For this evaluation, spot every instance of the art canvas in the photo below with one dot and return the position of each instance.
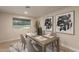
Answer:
(48, 23)
(65, 23)
(20, 23)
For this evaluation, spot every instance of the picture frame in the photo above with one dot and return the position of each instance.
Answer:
(21, 23)
(48, 24)
(65, 23)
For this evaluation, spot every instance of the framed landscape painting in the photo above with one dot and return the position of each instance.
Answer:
(65, 23)
(21, 22)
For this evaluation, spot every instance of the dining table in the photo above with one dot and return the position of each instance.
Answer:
(45, 40)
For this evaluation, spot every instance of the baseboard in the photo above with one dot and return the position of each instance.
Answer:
(68, 48)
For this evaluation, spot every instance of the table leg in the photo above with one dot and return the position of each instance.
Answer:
(58, 48)
(43, 48)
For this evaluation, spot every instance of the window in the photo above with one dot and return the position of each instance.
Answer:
(20, 22)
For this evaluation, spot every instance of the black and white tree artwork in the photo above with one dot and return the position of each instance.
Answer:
(64, 23)
(48, 23)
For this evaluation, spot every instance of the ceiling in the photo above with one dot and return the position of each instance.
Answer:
(33, 11)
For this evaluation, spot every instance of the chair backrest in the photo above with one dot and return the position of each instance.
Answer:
(23, 39)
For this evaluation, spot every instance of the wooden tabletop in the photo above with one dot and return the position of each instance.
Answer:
(41, 41)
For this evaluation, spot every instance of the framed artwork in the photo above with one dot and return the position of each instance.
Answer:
(20, 22)
(65, 23)
(48, 24)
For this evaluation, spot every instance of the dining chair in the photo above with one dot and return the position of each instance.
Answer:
(23, 41)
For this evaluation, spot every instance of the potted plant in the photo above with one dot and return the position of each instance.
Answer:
(38, 28)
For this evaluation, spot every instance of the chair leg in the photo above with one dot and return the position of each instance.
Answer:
(52, 46)
(24, 46)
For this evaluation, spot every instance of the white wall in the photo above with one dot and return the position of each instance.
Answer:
(7, 32)
(71, 41)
